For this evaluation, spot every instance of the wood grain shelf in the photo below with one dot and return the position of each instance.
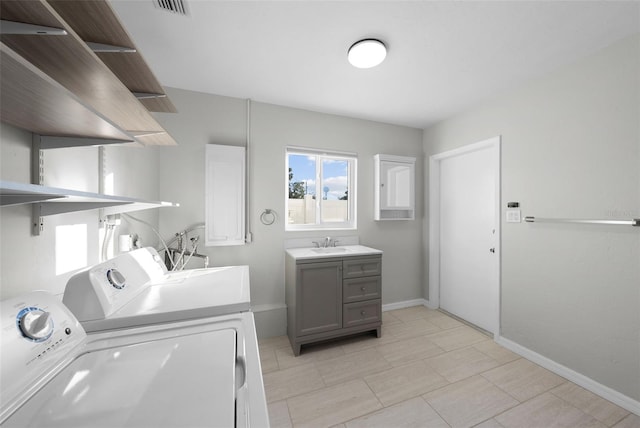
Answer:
(96, 21)
(32, 100)
(67, 61)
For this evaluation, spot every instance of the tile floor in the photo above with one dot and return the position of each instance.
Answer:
(427, 370)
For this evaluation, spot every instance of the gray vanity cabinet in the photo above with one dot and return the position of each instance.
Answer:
(332, 297)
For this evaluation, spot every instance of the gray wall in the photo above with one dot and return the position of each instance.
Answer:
(177, 174)
(28, 262)
(570, 148)
(209, 119)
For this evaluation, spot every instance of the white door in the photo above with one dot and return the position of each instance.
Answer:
(469, 264)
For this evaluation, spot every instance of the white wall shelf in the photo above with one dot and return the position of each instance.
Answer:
(52, 200)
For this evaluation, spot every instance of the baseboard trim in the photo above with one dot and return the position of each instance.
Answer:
(385, 307)
(270, 319)
(430, 305)
(403, 304)
(587, 383)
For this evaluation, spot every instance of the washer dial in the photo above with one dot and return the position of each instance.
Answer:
(116, 279)
(35, 324)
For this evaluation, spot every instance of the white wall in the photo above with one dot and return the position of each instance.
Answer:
(30, 262)
(570, 148)
(204, 119)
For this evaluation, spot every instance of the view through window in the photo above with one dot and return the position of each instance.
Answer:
(321, 190)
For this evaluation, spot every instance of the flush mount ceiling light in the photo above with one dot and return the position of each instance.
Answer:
(367, 53)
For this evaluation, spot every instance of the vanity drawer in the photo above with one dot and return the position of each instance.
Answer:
(365, 288)
(354, 314)
(354, 268)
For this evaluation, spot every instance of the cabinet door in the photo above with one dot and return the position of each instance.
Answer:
(396, 185)
(224, 209)
(394, 180)
(319, 297)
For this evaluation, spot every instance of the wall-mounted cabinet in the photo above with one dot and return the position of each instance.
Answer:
(225, 195)
(394, 180)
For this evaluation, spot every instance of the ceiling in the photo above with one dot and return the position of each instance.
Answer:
(444, 57)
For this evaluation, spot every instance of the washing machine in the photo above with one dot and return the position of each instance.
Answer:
(179, 374)
(135, 289)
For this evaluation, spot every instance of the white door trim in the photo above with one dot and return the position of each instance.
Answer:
(434, 220)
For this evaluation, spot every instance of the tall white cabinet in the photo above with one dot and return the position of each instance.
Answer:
(394, 178)
(225, 195)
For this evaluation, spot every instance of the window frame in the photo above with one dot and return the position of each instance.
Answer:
(352, 165)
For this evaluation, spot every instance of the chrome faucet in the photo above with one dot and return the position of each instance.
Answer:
(325, 243)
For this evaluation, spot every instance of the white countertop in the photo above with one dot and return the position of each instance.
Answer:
(325, 253)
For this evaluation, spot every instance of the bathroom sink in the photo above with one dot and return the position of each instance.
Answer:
(314, 253)
(329, 250)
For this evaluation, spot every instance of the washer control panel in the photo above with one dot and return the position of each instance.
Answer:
(38, 332)
(97, 292)
(116, 279)
(35, 324)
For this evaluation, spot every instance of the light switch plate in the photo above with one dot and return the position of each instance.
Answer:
(513, 216)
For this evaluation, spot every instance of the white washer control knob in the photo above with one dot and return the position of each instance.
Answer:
(116, 278)
(36, 325)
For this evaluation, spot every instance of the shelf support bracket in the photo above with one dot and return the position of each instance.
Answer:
(12, 27)
(37, 177)
(148, 95)
(38, 219)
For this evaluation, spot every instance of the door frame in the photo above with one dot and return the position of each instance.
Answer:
(434, 221)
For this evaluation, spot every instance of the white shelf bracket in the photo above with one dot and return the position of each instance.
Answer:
(12, 27)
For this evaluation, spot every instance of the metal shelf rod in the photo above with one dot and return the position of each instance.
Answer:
(632, 222)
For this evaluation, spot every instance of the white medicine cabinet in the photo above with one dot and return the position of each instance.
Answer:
(394, 178)
(225, 195)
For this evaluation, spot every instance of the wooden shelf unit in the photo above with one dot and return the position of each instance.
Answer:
(67, 62)
(32, 100)
(96, 22)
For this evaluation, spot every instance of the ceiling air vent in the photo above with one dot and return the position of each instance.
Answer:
(175, 6)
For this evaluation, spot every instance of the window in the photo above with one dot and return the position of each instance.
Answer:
(321, 190)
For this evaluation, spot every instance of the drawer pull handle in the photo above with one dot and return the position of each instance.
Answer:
(362, 313)
(363, 289)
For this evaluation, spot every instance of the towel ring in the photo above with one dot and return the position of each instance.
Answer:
(268, 217)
